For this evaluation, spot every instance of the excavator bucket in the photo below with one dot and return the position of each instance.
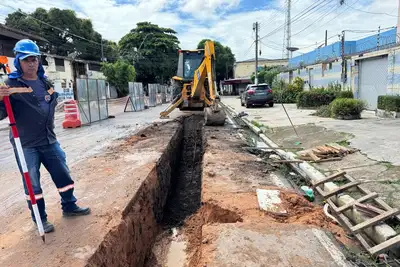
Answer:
(214, 117)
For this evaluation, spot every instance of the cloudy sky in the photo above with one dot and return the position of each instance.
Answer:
(230, 21)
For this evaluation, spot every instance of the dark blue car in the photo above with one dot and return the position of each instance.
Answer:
(260, 94)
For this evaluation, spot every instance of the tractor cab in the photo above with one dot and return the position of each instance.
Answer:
(189, 61)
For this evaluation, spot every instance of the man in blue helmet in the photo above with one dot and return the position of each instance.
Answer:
(34, 115)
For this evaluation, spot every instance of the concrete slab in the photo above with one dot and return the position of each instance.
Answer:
(258, 245)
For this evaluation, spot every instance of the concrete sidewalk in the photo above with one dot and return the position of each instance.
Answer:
(378, 163)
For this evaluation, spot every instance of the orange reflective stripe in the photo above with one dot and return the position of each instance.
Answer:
(18, 90)
(37, 197)
(65, 188)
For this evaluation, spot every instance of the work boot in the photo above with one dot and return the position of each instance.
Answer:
(47, 227)
(77, 212)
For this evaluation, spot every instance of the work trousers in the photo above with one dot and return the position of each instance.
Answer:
(53, 159)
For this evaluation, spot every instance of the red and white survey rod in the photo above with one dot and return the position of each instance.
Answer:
(22, 161)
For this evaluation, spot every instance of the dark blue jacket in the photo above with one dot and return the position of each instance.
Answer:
(34, 126)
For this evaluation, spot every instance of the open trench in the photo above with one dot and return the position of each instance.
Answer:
(188, 191)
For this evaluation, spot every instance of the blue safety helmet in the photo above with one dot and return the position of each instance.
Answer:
(27, 48)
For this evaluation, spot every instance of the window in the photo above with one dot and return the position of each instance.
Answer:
(44, 60)
(330, 66)
(94, 67)
(59, 64)
(298, 72)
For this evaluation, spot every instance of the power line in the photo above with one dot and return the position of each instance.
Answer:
(296, 18)
(374, 13)
(318, 19)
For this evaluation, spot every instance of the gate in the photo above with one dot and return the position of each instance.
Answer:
(373, 80)
(92, 100)
(136, 96)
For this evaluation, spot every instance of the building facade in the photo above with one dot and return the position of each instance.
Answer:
(369, 67)
(244, 69)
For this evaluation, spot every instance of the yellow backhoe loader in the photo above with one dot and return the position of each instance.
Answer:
(195, 87)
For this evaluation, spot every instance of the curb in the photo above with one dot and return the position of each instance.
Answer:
(378, 233)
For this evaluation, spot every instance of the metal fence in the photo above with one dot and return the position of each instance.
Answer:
(136, 97)
(92, 100)
(152, 88)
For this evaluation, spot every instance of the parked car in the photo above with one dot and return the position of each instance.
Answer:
(260, 94)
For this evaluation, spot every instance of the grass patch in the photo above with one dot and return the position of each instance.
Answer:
(257, 124)
(344, 143)
(390, 182)
(387, 164)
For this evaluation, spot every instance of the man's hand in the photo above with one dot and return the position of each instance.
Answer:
(4, 91)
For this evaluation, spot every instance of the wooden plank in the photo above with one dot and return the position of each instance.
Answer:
(329, 159)
(313, 156)
(377, 200)
(363, 242)
(385, 246)
(329, 178)
(341, 189)
(360, 200)
(373, 221)
(369, 208)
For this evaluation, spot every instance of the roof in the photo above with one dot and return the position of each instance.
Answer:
(236, 81)
(18, 34)
(71, 59)
(262, 59)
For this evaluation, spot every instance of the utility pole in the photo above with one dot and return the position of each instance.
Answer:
(378, 39)
(288, 27)
(102, 50)
(398, 24)
(343, 60)
(255, 28)
(326, 37)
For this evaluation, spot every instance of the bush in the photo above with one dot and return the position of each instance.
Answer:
(346, 108)
(315, 98)
(389, 102)
(345, 94)
(324, 111)
(287, 93)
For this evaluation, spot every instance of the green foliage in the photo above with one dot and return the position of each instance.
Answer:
(344, 94)
(347, 108)
(266, 75)
(389, 102)
(287, 93)
(154, 51)
(334, 87)
(63, 43)
(224, 60)
(315, 98)
(323, 111)
(119, 74)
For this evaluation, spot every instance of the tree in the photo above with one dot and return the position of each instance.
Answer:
(267, 74)
(153, 51)
(225, 60)
(61, 28)
(119, 74)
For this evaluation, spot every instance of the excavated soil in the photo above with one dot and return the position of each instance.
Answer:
(230, 179)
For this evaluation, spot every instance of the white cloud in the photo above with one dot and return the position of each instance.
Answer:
(211, 19)
(206, 9)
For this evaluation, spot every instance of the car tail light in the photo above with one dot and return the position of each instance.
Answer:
(251, 92)
(269, 90)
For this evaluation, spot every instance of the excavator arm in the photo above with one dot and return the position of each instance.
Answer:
(202, 88)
